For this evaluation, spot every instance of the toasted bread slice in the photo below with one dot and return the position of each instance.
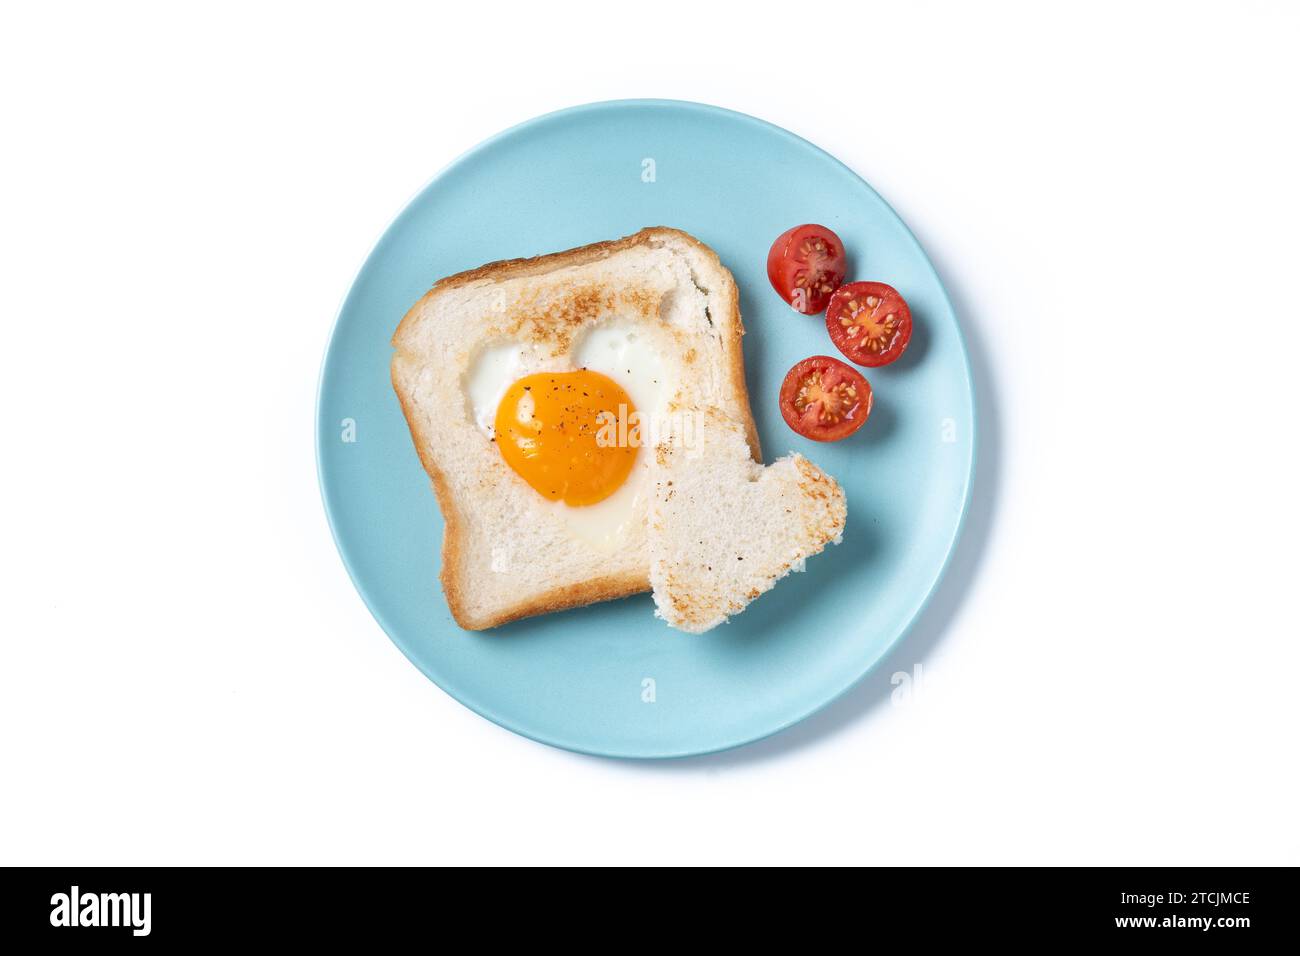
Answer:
(725, 529)
(507, 552)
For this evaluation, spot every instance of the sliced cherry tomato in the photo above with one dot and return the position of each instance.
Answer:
(824, 399)
(869, 322)
(806, 264)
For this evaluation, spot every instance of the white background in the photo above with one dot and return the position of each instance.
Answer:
(1110, 195)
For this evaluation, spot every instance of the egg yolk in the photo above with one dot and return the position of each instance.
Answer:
(571, 435)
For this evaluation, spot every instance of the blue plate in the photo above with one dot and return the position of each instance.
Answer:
(612, 679)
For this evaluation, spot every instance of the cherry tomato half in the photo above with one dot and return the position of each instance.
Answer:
(869, 322)
(805, 265)
(824, 399)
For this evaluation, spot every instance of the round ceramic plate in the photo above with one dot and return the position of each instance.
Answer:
(612, 679)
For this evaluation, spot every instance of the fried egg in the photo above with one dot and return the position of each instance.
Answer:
(571, 426)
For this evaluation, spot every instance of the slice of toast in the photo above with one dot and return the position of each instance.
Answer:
(725, 529)
(507, 552)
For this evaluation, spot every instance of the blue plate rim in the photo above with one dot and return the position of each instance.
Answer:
(466, 699)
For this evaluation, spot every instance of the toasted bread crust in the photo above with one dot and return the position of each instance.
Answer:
(453, 539)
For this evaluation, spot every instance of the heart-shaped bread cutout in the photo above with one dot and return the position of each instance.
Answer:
(724, 528)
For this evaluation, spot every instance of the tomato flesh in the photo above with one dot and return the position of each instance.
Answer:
(869, 322)
(805, 265)
(824, 399)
